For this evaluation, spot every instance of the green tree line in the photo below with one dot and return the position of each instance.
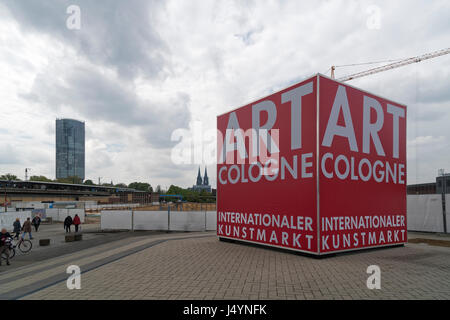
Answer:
(191, 195)
(141, 186)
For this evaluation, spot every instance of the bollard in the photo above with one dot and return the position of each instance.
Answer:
(168, 218)
(44, 242)
(70, 238)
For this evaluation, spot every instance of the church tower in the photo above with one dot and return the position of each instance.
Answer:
(205, 179)
(202, 183)
(199, 178)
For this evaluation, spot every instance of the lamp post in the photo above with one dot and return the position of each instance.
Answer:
(6, 185)
(443, 192)
(6, 198)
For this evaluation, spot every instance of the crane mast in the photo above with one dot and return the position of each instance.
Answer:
(391, 65)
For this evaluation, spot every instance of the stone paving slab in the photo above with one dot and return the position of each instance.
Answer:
(14, 283)
(205, 268)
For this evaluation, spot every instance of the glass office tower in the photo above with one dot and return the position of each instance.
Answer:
(69, 148)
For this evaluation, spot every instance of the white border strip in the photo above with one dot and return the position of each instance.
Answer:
(312, 252)
(318, 161)
(359, 89)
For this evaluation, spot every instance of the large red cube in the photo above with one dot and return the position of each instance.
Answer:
(319, 167)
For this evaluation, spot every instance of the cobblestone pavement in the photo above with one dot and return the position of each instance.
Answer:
(92, 236)
(198, 266)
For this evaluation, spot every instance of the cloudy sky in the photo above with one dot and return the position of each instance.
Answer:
(142, 74)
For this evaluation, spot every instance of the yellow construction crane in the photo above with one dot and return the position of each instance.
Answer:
(393, 65)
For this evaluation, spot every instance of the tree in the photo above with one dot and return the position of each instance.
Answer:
(141, 186)
(40, 178)
(9, 177)
(121, 185)
(89, 182)
(158, 189)
(175, 190)
(190, 195)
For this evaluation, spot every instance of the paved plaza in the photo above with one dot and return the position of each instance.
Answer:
(197, 265)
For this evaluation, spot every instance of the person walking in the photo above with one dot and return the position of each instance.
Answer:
(5, 238)
(27, 228)
(76, 222)
(36, 222)
(17, 228)
(67, 223)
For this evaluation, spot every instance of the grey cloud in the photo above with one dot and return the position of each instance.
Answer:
(434, 91)
(430, 115)
(9, 155)
(115, 33)
(247, 37)
(97, 97)
(175, 116)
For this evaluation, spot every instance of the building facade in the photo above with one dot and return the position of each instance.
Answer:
(422, 188)
(70, 148)
(443, 183)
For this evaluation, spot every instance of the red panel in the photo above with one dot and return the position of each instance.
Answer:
(291, 200)
(344, 201)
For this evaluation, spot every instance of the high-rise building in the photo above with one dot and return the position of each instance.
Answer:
(69, 148)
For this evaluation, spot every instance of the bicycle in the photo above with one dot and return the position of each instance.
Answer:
(23, 245)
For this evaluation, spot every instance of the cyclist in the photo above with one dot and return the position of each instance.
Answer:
(17, 228)
(5, 240)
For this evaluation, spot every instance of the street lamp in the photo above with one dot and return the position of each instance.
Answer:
(441, 173)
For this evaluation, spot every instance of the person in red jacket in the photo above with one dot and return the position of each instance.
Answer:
(76, 222)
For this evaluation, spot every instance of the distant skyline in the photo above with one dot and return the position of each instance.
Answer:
(138, 70)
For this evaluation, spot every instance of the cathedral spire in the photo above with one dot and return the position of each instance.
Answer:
(205, 179)
(199, 177)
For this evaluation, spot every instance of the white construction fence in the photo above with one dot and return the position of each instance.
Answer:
(7, 218)
(58, 215)
(424, 213)
(158, 220)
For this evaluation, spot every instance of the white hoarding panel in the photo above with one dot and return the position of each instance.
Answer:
(447, 209)
(425, 213)
(187, 221)
(150, 220)
(7, 218)
(211, 220)
(52, 213)
(115, 220)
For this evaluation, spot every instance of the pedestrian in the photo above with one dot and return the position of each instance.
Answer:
(27, 228)
(36, 222)
(5, 239)
(17, 228)
(67, 223)
(76, 222)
